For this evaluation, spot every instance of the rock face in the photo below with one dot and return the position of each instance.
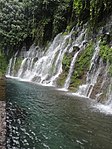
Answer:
(2, 88)
(2, 113)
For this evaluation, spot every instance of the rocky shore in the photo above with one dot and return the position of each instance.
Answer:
(2, 113)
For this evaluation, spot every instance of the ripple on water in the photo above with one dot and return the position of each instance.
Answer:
(43, 118)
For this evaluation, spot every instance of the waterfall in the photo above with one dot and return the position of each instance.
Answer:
(11, 66)
(67, 82)
(9, 69)
(26, 67)
(79, 42)
(109, 94)
(92, 75)
(49, 65)
(107, 106)
(45, 67)
(14, 61)
(21, 70)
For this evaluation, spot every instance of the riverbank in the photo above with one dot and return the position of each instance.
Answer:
(2, 113)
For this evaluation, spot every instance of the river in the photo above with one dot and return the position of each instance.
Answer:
(41, 117)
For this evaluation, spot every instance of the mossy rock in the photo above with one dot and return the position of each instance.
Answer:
(74, 85)
(61, 79)
(66, 62)
(110, 70)
(106, 53)
(17, 64)
(82, 66)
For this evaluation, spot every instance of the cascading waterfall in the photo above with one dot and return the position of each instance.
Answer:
(28, 62)
(79, 42)
(103, 83)
(45, 69)
(22, 68)
(109, 94)
(9, 69)
(92, 75)
(107, 107)
(45, 66)
(14, 61)
(48, 67)
(67, 82)
(11, 66)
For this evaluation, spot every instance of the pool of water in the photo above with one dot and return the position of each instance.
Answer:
(40, 117)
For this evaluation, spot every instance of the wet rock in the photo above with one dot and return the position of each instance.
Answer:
(2, 113)
(2, 88)
(100, 89)
(2, 126)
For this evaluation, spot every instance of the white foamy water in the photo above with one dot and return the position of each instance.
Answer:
(106, 109)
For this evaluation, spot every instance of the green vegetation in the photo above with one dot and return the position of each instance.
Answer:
(34, 20)
(66, 61)
(66, 66)
(13, 28)
(106, 53)
(92, 10)
(27, 20)
(82, 66)
(3, 64)
(106, 50)
(61, 79)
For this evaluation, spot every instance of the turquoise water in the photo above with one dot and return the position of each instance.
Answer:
(40, 117)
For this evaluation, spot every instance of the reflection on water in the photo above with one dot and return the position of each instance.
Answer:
(41, 117)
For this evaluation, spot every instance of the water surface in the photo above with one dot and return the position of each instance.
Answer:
(40, 117)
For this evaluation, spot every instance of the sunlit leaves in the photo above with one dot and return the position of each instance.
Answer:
(97, 8)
